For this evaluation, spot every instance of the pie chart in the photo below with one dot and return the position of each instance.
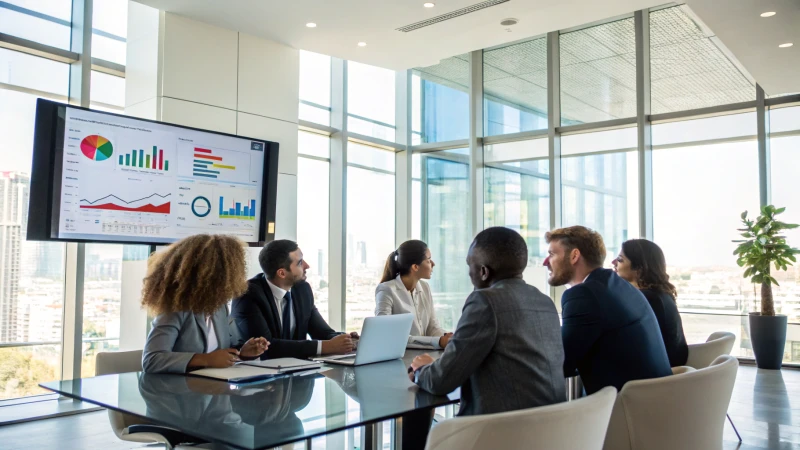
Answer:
(96, 148)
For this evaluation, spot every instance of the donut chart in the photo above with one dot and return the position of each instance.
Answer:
(97, 148)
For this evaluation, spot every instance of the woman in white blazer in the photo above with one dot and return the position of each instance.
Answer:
(402, 291)
(188, 286)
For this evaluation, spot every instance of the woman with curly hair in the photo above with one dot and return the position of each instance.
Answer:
(188, 286)
(641, 263)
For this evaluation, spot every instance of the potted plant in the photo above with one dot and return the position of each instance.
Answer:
(763, 247)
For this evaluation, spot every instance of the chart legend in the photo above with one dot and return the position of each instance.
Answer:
(97, 148)
(140, 159)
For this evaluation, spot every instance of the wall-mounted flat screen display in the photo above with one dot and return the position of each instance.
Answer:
(102, 177)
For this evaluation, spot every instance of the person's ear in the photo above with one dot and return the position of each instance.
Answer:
(281, 273)
(485, 273)
(574, 255)
(414, 267)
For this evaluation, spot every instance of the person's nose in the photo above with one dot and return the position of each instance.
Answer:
(546, 262)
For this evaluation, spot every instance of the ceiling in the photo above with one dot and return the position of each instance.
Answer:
(341, 24)
(754, 40)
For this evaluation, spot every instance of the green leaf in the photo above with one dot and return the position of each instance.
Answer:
(744, 215)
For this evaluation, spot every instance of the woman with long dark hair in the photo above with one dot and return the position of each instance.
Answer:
(641, 263)
(402, 290)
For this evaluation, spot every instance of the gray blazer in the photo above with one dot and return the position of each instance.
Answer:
(506, 352)
(176, 337)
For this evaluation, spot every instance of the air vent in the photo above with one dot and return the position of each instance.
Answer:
(451, 15)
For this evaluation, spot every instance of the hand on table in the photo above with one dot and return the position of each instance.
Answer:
(419, 361)
(339, 345)
(445, 339)
(254, 347)
(222, 358)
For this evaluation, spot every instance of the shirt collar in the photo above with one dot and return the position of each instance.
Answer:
(402, 286)
(277, 292)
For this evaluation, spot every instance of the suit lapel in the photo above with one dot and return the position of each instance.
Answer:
(220, 320)
(276, 315)
(201, 323)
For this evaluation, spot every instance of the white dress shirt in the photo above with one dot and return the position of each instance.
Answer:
(392, 297)
(211, 338)
(278, 295)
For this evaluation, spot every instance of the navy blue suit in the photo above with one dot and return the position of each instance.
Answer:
(610, 333)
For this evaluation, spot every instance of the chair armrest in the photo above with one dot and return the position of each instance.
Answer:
(172, 435)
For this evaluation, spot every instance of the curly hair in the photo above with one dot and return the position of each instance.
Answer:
(199, 274)
(648, 261)
(588, 242)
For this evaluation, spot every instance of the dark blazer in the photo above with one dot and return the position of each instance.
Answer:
(669, 321)
(506, 352)
(256, 314)
(610, 333)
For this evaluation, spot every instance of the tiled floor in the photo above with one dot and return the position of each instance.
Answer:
(765, 408)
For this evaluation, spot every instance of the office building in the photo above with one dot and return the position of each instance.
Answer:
(431, 121)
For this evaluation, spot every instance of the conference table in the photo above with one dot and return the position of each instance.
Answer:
(267, 413)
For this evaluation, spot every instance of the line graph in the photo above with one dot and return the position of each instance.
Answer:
(154, 203)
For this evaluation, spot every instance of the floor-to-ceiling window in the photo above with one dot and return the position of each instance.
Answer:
(440, 101)
(517, 196)
(370, 226)
(371, 101)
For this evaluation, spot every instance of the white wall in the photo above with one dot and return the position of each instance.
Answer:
(190, 73)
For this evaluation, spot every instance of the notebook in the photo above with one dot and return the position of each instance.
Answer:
(283, 365)
(237, 374)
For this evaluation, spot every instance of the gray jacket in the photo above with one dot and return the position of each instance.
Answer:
(176, 337)
(506, 352)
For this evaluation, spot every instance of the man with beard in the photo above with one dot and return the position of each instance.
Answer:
(279, 305)
(610, 333)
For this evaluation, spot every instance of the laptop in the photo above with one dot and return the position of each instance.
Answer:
(383, 338)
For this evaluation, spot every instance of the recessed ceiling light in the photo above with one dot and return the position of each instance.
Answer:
(786, 45)
(768, 14)
(311, 25)
(362, 44)
(509, 22)
(429, 5)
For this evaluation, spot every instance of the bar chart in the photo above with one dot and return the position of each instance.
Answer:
(141, 160)
(207, 164)
(237, 210)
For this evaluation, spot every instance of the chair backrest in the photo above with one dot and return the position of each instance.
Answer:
(546, 427)
(107, 363)
(685, 411)
(702, 355)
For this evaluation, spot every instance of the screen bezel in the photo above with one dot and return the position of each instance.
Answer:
(47, 168)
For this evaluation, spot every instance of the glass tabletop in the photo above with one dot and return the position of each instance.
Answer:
(261, 414)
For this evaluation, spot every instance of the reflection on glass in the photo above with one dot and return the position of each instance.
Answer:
(515, 88)
(445, 206)
(517, 196)
(312, 224)
(366, 156)
(370, 239)
(600, 192)
(441, 100)
(102, 299)
(598, 73)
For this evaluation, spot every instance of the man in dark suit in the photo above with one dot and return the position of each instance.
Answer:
(610, 333)
(506, 352)
(279, 305)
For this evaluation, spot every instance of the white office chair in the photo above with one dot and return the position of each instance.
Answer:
(546, 427)
(684, 411)
(108, 363)
(702, 355)
(718, 344)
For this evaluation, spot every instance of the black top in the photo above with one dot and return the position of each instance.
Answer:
(669, 320)
(610, 333)
(256, 314)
